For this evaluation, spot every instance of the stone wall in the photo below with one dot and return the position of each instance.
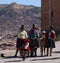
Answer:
(55, 14)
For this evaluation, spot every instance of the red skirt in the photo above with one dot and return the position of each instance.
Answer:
(28, 49)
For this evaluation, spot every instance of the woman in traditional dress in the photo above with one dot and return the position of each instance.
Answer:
(51, 36)
(34, 44)
(22, 35)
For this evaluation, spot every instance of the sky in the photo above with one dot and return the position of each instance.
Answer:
(25, 2)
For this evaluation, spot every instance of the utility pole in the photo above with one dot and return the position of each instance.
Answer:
(49, 23)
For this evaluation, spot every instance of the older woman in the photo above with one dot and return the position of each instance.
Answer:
(33, 40)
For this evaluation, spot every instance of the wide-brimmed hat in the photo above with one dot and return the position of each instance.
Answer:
(51, 26)
(44, 32)
(22, 27)
(34, 26)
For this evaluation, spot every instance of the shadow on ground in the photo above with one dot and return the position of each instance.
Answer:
(7, 57)
(46, 59)
(56, 52)
(14, 61)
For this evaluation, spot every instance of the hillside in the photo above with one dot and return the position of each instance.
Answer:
(13, 15)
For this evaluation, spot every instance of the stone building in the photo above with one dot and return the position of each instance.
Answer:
(50, 13)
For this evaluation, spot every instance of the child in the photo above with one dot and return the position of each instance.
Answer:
(42, 43)
(25, 48)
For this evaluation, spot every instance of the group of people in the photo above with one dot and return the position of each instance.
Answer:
(47, 42)
(30, 42)
(27, 42)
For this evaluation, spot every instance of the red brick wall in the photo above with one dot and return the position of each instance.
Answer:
(55, 19)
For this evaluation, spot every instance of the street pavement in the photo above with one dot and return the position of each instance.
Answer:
(55, 58)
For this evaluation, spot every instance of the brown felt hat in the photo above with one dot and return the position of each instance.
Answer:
(51, 26)
(33, 26)
(22, 27)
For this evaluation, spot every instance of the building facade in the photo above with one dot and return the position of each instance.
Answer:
(50, 14)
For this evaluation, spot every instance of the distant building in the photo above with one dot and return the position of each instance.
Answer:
(50, 13)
